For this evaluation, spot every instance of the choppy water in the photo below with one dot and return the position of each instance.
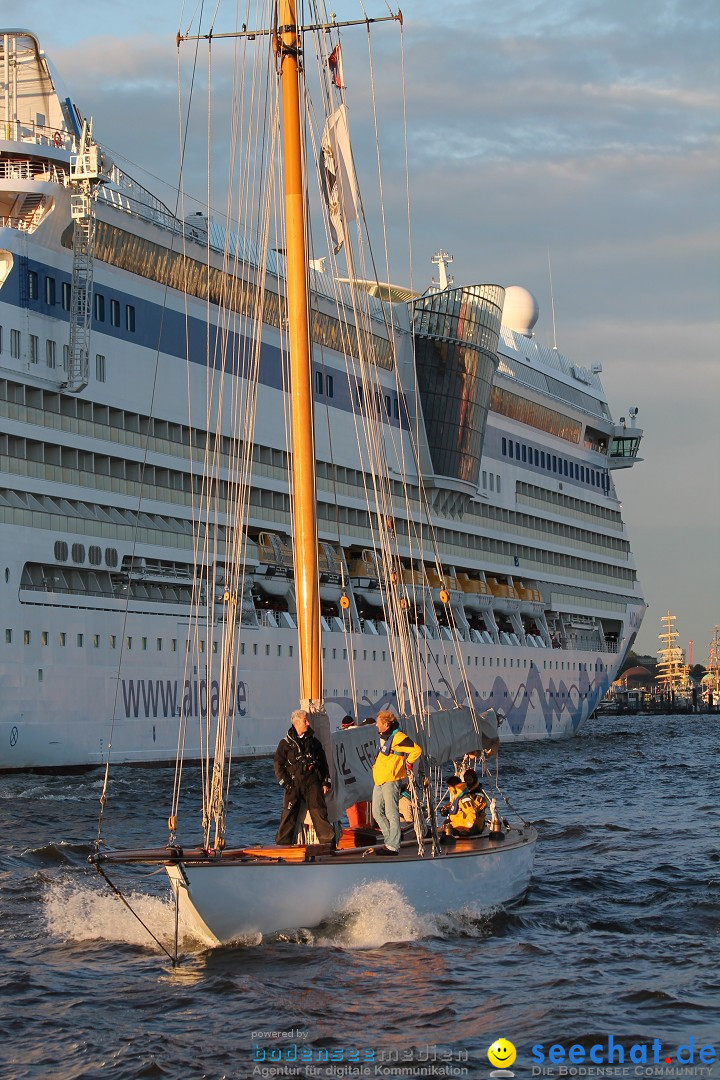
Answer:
(619, 936)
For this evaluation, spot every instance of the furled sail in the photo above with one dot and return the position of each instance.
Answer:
(446, 735)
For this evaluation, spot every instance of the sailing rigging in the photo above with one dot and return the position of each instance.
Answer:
(223, 892)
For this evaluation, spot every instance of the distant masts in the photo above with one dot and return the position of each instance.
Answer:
(442, 260)
(672, 672)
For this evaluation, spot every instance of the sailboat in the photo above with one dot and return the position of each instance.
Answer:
(223, 892)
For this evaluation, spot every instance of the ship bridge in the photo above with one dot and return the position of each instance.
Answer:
(625, 443)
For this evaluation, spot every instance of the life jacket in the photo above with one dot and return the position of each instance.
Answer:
(463, 812)
(395, 752)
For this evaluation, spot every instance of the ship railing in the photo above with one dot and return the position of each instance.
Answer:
(27, 131)
(31, 169)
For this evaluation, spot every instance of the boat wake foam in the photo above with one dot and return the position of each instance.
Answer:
(75, 913)
(374, 915)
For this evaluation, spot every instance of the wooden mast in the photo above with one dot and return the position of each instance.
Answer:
(307, 588)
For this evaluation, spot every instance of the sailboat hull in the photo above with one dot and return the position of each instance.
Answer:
(227, 900)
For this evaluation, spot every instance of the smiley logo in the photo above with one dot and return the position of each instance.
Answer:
(502, 1053)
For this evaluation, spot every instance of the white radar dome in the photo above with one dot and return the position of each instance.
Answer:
(520, 310)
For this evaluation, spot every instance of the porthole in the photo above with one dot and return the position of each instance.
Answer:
(95, 555)
(111, 557)
(78, 553)
(61, 551)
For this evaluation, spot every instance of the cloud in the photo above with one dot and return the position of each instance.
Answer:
(586, 127)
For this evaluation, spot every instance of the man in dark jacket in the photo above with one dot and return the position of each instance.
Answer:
(302, 771)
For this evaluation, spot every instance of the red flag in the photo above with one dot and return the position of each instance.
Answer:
(335, 65)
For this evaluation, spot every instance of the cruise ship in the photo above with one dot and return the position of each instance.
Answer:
(503, 454)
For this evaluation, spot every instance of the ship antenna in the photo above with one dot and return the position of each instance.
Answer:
(441, 260)
(552, 302)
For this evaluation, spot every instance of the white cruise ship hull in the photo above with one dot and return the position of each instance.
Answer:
(102, 467)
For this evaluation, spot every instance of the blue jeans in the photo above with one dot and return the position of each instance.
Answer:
(385, 811)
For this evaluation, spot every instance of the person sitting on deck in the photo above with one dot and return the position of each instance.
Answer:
(472, 783)
(461, 812)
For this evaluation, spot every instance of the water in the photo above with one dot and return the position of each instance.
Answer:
(618, 938)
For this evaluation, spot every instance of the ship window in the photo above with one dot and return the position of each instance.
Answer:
(173, 644)
(66, 293)
(319, 382)
(517, 450)
(497, 483)
(565, 467)
(329, 386)
(128, 642)
(66, 357)
(255, 648)
(396, 408)
(32, 284)
(114, 312)
(524, 452)
(542, 459)
(34, 348)
(61, 550)
(144, 644)
(99, 307)
(130, 318)
(536, 456)
(62, 638)
(577, 471)
(511, 450)
(15, 344)
(113, 641)
(111, 557)
(50, 290)
(8, 637)
(484, 478)
(50, 353)
(554, 463)
(95, 555)
(492, 482)
(96, 641)
(100, 367)
(158, 644)
(78, 552)
(504, 446)
(44, 638)
(80, 640)
(290, 650)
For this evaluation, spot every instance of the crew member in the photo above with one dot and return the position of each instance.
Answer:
(302, 771)
(461, 813)
(472, 783)
(397, 752)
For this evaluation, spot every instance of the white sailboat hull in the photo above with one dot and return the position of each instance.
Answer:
(224, 901)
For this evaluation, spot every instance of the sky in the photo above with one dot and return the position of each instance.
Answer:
(580, 132)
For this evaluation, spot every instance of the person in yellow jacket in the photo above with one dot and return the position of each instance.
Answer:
(397, 751)
(462, 812)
